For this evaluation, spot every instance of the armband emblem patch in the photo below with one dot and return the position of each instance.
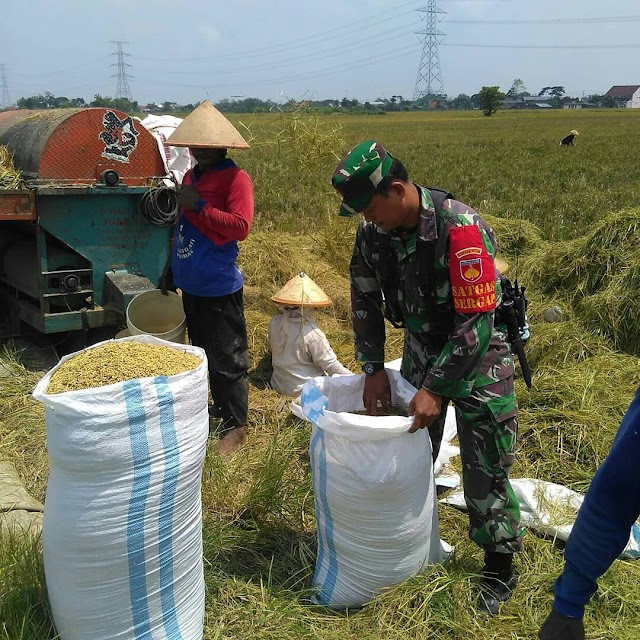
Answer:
(471, 270)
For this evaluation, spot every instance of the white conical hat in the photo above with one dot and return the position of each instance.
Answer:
(302, 291)
(206, 127)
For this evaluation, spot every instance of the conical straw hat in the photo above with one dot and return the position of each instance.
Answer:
(206, 127)
(501, 265)
(302, 291)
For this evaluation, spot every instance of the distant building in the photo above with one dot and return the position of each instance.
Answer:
(527, 102)
(512, 103)
(537, 99)
(578, 104)
(625, 95)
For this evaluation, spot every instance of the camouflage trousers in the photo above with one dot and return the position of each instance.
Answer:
(487, 426)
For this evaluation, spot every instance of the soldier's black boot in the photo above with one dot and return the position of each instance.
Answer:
(498, 582)
(559, 627)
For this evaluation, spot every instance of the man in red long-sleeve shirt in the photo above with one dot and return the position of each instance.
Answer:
(216, 200)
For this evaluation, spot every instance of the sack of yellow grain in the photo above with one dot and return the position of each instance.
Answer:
(127, 428)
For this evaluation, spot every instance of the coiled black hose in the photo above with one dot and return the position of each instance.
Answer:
(160, 206)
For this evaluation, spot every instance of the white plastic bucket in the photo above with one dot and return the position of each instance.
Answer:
(155, 314)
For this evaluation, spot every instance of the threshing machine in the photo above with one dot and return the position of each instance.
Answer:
(91, 228)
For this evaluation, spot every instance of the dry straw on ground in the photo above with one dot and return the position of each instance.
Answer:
(117, 362)
(598, 275)
(10, 177)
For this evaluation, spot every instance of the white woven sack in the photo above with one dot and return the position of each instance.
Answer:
(550, 509)
(122, 533)
(177, 160)
(375, 494)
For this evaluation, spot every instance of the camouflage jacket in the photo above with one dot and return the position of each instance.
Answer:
(460, 350)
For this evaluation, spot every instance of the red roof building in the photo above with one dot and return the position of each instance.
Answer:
(626, 95)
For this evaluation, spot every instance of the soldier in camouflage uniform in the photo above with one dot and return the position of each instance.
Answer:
(431, 270)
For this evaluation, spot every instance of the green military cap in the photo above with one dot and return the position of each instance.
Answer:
(358, 175)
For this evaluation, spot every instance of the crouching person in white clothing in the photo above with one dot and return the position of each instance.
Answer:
(299, 348)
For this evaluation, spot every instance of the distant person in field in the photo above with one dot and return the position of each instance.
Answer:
(567, 141)
(216, 212)
(299, 349)
(601, 531)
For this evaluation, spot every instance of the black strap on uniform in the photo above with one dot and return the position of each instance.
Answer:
(387, 272)
(426, 250)
(425, 259)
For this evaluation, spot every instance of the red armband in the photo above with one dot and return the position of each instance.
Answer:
(471, 270)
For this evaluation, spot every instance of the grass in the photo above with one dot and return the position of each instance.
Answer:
(23, 613)
(510, 165)
(554, 208)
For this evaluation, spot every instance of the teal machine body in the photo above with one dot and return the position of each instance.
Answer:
(82, 237)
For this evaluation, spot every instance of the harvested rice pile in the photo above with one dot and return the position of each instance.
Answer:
(9, 175)
(117, 362)
(598, 275)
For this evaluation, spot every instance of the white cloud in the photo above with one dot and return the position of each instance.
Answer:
(210, 34)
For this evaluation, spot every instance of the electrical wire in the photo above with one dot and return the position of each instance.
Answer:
(401, 52)
(559, 21)
(317, 55)
(347, 29)
(354, 64)
(323, 37)
(160, 206)
(540, 46)
(362, 27)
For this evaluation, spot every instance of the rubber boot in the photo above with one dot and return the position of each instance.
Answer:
(559, 627)
(498, 582)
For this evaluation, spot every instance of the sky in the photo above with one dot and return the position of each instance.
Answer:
(277, 50)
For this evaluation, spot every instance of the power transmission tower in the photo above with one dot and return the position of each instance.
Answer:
(122, 90)
(429, 79)
(6, 100)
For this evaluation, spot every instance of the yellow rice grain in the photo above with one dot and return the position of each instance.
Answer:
(119, 361)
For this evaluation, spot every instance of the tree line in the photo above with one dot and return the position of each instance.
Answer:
(488, 99)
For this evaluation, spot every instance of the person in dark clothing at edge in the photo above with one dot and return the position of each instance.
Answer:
(444, 293)
(601, 530)
(216, 200)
